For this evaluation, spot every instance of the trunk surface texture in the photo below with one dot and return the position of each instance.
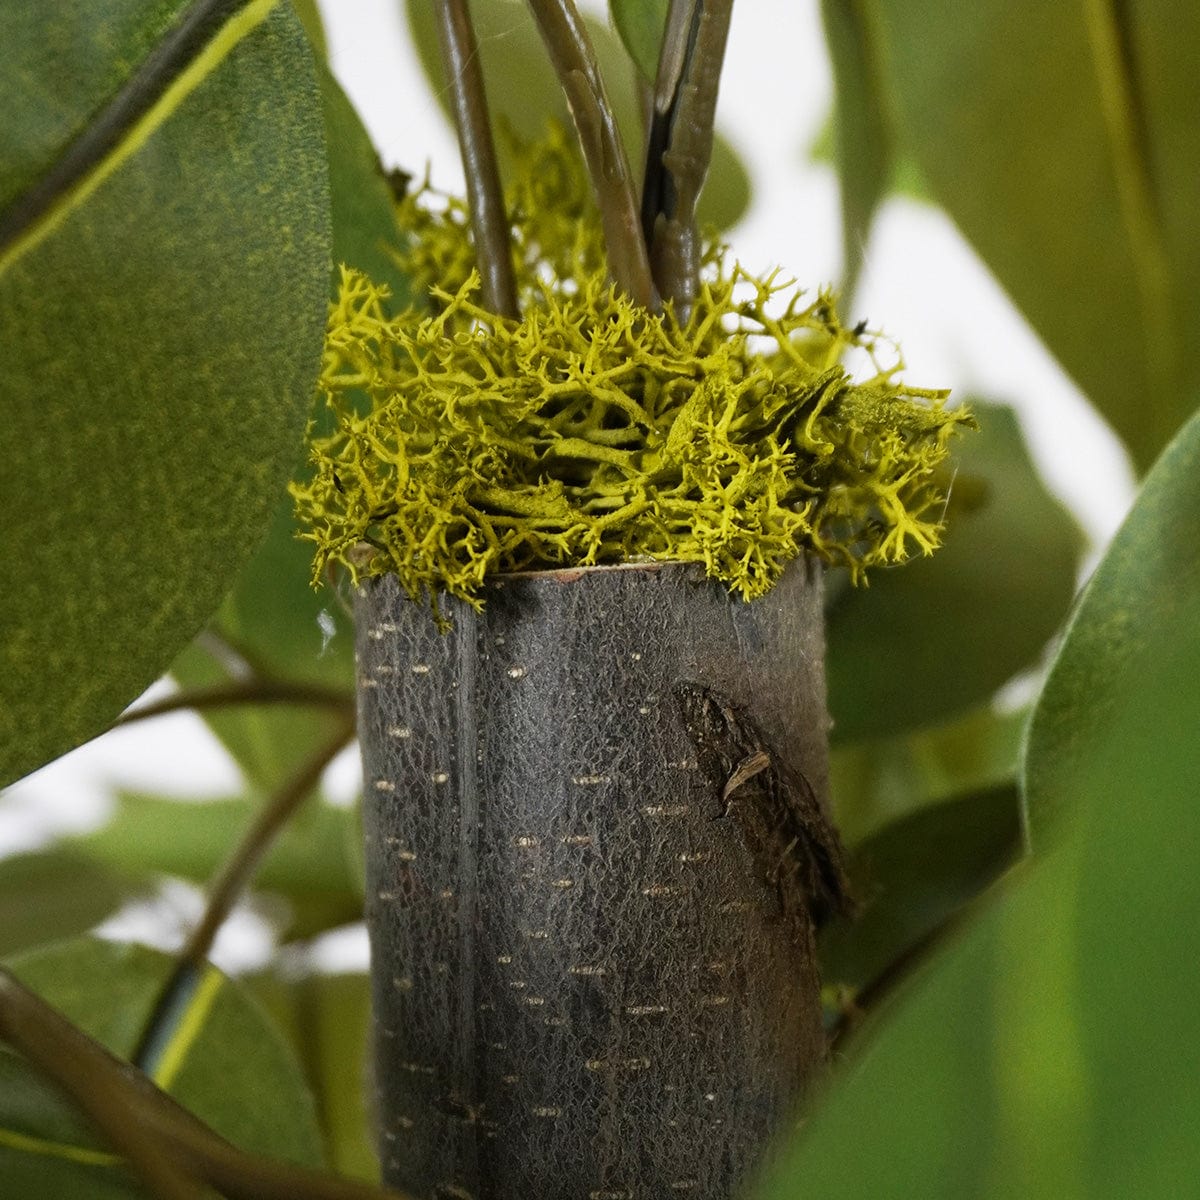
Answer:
(593, 979)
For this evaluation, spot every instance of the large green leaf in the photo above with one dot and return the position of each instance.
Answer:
(160, 324)
(862, 134)
(327, 1019)
(1055, 1051)
(1062, 140)
(938, 636)
(308, 864)
(273, 614)
(1135, 608)
(523, 93)
(55, 894)
(224, 1062)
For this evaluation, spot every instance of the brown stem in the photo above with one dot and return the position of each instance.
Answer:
(232, 878)
(36, 1032)
(571, 52)
(680, 141)
(489, 220)
(242, 691)
(146, 1125)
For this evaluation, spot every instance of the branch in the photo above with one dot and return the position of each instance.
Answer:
(489, 220)
(34, 1029)
(242, 691)
(571, 52)
(680, 141)
(145, 1124)
(230, 881)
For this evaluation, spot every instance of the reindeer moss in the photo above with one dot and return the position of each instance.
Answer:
(593, 431)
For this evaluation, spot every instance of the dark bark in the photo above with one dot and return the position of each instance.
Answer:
(594, 975)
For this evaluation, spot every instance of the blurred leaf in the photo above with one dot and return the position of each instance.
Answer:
(1132, 612)
(225, 1063)
(1062, 140)
(307, 865)
(287, 630)
(1055, 1050)
(327, 1019)
(640, 24)
(914, 875)
(524, 93)
(862, 141)
(940, 635)
(162, 325)
(876, 783)
(365, 233)
(904, 180)
(727, 188)
(54, 894)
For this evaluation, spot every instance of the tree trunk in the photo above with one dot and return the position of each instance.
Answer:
(587, 981)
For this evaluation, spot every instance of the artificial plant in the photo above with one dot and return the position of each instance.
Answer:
(164, 254)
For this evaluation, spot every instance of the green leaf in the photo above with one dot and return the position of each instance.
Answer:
(727, 188)
(1055, 1050)
(55, 894)
(287, 630)
(1061, 138)
(905, 178)
(938, 636)
(914, 875)
(1130, 620)
(862, 141)
(523, 93)
(161, 321)
(877, 783)
(308, 864)
(273, 615)
(314, 27)
(640, 24)
(327, 1019)
(224, 1062)
(365, 233)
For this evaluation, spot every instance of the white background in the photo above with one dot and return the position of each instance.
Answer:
(922, 284)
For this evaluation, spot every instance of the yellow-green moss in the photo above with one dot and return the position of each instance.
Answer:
(596, 432)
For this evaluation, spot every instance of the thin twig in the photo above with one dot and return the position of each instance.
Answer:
(242, 691)
(680, 141)
(230, 880)
(489, 219)
(571, 52)
(125, 1105)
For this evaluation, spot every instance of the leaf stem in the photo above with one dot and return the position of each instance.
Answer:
(489, 220)
(256, 690)
(171, 1148)
(36, 1031)
(679, 143)
(229, 882)
(570, 49)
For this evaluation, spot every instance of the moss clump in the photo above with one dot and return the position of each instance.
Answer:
(596, 432)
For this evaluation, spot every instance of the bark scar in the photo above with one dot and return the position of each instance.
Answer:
(794, 845)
